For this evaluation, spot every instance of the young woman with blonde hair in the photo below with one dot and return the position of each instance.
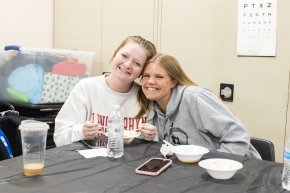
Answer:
(189, 114)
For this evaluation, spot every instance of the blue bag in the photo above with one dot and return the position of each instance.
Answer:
(10, 142)
(5, 146)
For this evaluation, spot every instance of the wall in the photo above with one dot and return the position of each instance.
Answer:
(202, 35)
(261, 96)
(78, 25)
(27, 23)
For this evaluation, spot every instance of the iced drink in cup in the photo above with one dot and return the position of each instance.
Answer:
(33, 137)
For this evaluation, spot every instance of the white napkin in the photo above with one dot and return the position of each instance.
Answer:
(166, 150)
(90, 153)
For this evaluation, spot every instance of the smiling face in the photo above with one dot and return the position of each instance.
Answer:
(128, 62)
(157, 84)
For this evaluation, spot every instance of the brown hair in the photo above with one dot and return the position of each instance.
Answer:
(147, 45)
(175, 72)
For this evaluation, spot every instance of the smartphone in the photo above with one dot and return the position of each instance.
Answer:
(153, 166)
(98, 142)
(90, 143)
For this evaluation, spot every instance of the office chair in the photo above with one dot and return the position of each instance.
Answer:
(264, 147)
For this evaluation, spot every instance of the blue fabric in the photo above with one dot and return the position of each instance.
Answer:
(9, 125)
(6, 143)
(28, 79)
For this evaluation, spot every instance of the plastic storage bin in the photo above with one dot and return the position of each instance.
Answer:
(40, 75)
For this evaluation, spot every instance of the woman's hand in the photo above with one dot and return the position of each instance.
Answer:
(90, 130)
(148, 131)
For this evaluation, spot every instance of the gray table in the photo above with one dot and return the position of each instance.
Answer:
(66, 171)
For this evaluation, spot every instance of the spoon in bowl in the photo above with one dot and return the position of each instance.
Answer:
(169, 144)
(166, 149)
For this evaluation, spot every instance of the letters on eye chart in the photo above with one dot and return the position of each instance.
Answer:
(256, 28)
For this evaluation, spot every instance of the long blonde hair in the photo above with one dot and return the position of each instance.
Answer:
(175, 72)
(150, 51)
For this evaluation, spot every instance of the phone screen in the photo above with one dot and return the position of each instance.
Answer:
(154, 166)
(98, 142)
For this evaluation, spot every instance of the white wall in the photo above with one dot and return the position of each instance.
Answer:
(27, 23)
(78, 25)
(203, 36)
(261, 94)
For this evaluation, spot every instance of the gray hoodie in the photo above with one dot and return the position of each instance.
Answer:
(196, 116)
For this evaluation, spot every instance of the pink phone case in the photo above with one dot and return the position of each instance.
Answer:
(154, 166)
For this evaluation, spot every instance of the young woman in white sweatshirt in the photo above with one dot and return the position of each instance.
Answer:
(86, 110)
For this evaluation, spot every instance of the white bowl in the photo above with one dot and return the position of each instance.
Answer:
(189, 153)
(129, 136)
(221, 168)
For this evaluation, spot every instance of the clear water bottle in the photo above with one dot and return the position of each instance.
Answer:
(286, 168)
(115, 145)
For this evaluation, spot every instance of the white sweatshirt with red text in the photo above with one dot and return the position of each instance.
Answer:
(93, 96)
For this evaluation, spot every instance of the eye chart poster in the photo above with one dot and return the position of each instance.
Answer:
(257, 27)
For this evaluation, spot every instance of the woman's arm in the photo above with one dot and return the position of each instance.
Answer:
(221, 123)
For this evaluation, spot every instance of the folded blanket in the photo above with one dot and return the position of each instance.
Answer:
(69, 68)
(56, 87)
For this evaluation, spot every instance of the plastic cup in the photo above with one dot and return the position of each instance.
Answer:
(33, 137)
